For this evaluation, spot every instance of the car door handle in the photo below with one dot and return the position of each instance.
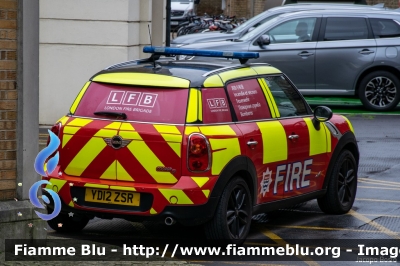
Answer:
(292, 137)
(305, 53)
(366, 51)
(252, 143)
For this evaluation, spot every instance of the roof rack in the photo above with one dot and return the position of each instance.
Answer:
(168, 51)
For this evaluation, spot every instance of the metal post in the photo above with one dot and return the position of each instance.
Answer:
(168, 25)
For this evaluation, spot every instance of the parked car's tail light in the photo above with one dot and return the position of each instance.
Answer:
(198, 153)
(56, 130)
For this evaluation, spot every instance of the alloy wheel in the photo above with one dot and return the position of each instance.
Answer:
(238, 212)
(380, 91)
(346, 182)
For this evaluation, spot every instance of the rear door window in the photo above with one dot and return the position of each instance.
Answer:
(248, 100)
(385, 28)
(342, 28)
(157, 105)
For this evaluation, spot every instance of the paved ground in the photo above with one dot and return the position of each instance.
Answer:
(375, 215)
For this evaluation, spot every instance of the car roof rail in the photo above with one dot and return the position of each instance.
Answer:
(168, 51)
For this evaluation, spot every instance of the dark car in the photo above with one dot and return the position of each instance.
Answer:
(260, 19)
(331, 52)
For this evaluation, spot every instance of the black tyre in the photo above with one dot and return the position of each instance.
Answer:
(231, 222)
(379, 91)
(342, 186)
(63, 223)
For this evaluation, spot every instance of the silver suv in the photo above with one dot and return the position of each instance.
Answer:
(260, 19)
(331, 53)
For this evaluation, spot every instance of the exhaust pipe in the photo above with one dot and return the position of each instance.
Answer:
(170, 221)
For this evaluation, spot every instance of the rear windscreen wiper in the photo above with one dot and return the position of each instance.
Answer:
(123, 115)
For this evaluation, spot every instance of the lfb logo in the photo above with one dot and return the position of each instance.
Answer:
(44, 169)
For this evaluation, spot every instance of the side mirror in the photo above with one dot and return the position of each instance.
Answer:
(263, 40)
(196, 2)
(321, 114)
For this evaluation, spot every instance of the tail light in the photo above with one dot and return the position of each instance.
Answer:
(56, 130)
(198, 153)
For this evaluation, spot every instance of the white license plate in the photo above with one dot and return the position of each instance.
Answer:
(174, 22)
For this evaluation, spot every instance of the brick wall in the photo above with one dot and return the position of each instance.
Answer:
(211, 7)
(8, 98)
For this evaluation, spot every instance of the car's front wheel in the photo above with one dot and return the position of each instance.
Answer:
(379, 91)
(67, 223)
(342, 185)
(231, 222)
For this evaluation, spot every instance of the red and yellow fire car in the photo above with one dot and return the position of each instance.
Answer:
(198, 143)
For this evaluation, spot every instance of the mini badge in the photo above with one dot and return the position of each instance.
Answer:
(117, 142)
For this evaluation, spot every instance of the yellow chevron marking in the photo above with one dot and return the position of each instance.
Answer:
(153, 211)
(167, 129)
(176, 147)
(71, 130)
(122, 174)
(56, 182)
(200, 181)
(106, 133)
(130, 135)
(190, 130)
(217, 130)
(206, 192)
(110, 173)
(274, 141)
(224, 151)
(349, 123)
(95, 185)
(85, 156)
(320, 140)
(149, 161)
(63, 120)
(79, 122)
(71, 203)
(65, 139)
(173, 137)
(113, 125)
(179, 194)
(123, 188)
(79, 98)
(213, 81)
(127, 126)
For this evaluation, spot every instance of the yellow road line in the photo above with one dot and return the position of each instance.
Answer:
(372, 223)
(383, 188)
(274, 237)
(324, 228)
(378, 200)
(383, 215)
(379, 184)
(379, 181)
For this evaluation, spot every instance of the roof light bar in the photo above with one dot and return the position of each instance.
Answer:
(208, 53)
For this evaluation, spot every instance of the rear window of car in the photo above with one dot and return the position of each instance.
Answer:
(155, 105)
(385, 28)
(342, 28)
